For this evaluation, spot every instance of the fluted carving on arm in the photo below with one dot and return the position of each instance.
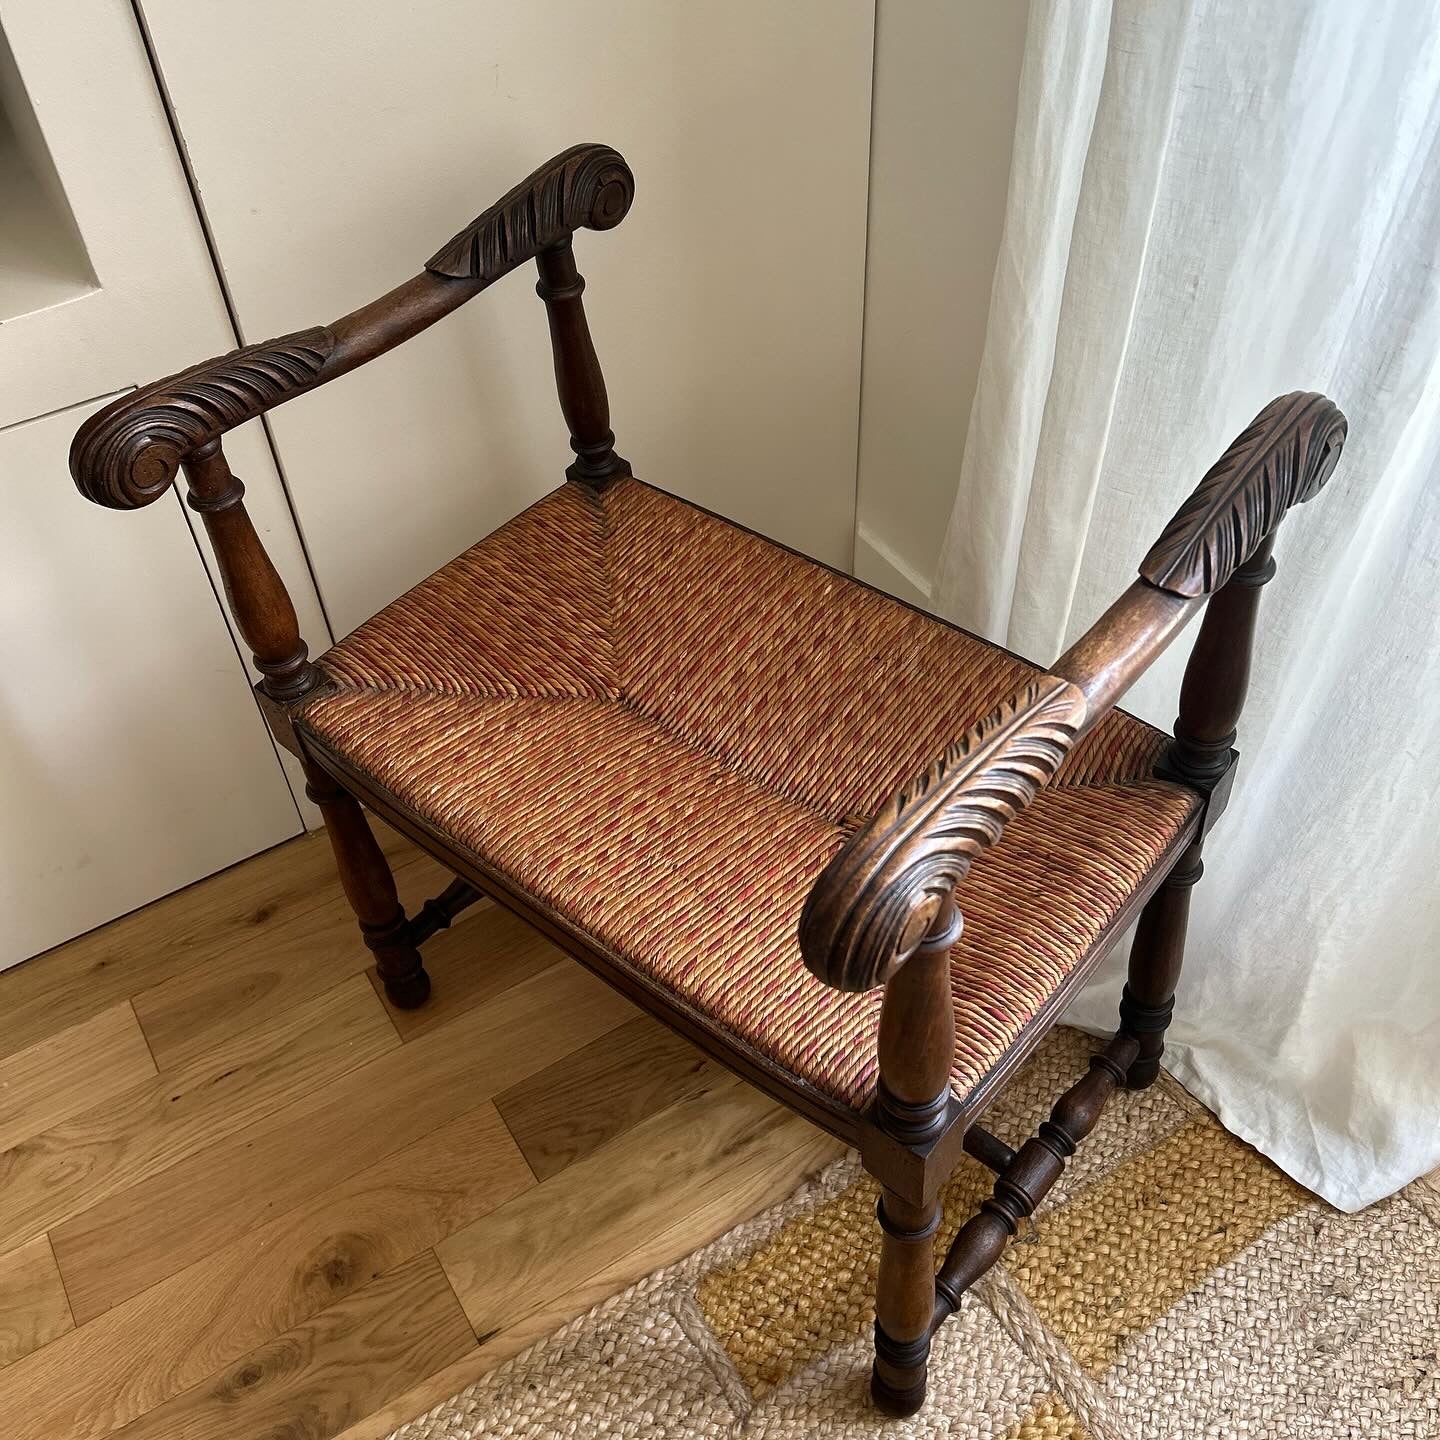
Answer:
(586, 187)
(1283, 458)
(870, 906)
(129, 453)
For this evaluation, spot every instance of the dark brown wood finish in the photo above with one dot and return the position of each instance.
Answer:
(912, 1103)
(1282, 458)
(129, 453)
(370, 888)
(611, 967)
(990, 1150)
(1156, 955)
(1202, 756)
(587, 187)
(1029, 1177)
(578, 380)
(913, 1170)
(872, 903)
(258, 600)
(876, 899)
(884, 912)
(440, 913)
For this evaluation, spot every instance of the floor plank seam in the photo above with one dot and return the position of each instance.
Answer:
(233, 955)
(60, 1275)
(140, 1026)
(434, 1254)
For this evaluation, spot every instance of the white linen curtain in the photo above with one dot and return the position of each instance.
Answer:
(1212, 203)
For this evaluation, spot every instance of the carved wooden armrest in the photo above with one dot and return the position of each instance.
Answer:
(129, 453)
(871, 906)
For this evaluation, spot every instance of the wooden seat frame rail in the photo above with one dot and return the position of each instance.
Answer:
(887, 909)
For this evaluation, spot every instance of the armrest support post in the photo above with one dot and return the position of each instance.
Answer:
(259, 602)
(916, 1044)
(1217, 676)
(578, 379)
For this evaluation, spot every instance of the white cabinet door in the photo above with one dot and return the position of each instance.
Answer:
(132, 757)
(132, 760)
(336, 146)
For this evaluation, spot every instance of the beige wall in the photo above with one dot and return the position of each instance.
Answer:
(947, 73)
(334, 157)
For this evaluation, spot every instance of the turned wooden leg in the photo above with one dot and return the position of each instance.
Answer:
(370, 888)
(916, 1049)
(904, 1303)
(1155, 959)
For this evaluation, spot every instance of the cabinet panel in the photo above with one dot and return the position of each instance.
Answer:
(335, 151)
(78, 72)
(131, 757)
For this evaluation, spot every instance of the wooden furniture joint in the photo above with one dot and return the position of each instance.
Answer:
(886, 910)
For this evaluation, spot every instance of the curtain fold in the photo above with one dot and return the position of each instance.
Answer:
(1210, 204)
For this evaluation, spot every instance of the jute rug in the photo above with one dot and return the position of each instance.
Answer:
(1174, 1285)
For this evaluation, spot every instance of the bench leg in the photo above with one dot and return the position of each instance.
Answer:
(904, 1303)
(1155, 959)
(916, 1051)
(370, 888)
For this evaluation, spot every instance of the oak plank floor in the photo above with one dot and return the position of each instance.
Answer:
(328, 1371)
(107, 1151)
(573, 1106)
(704, 1144)
(298, 954)
(55, 1078)
(264, 1282)
(241, 1195)
(182, 932)
(294, 1154)
(33, 1307)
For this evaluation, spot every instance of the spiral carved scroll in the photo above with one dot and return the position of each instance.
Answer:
(1283, 458)
(871, 905)
(586, 187)
(128, 454)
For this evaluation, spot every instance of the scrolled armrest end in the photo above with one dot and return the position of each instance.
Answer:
(586, 187)
(1283, 458)
(872, 904)
(128, 454)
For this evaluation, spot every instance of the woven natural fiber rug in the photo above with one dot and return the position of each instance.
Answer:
(1175, 1284)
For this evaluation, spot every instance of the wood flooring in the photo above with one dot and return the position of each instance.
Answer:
(241, 1196)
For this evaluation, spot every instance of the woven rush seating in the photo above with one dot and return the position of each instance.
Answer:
(659, 727)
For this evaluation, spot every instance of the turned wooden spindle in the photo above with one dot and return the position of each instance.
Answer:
(259, 603)
(439, 913)
(1217, 677)
(1029, 1176)
(1156, 956)
(990, 1150)
(578, 380)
